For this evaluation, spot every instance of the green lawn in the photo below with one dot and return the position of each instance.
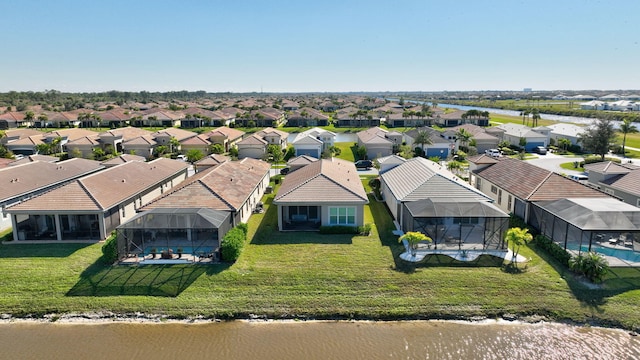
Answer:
(284, 275)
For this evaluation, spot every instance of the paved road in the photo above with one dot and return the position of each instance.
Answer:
(552, 162)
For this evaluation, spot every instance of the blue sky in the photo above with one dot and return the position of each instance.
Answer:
(311, 46)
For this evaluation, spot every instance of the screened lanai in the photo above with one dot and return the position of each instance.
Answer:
(466, 224)
(184, 233)
(604, 225)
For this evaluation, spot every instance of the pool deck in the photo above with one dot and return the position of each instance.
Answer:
(462, 255)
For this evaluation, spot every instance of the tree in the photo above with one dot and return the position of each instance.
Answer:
(517, 237)
(174, 145)
(422, 138)
(626, 127)
(405, 151)
(216, 149)
(414, 238)
(43, 149)
(454, 166)
(160, 150)
(42, 118)
(464, 136)
(194, 155)
(29, 115)
(360, 152)
(275, 153)
(598, 137)
(564, 143)
(535, 116)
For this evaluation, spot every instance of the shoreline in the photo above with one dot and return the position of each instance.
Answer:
(103, 318)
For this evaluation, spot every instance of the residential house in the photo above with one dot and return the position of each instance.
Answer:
(210, 161)
(232, 186)
(91, 207)
(158, 118)
(423, 196)
(253, 146)
(313, 142)
(449, 119)
(288, 105)
(399, 118)
(298, 162)
(354, 117)
(274, 137)
(567, 131)
(164, 137)
(439, 146)
(379, 142)
(387, 163)
(24, 181)
(141, 146)
(515, 184)
(621, 181)
(307, 117)
(483, 140)
(34, 158)
(59, 119)
(225, 136)
(594, 105)
(514, 132)
(116, 118)
(341, 204)
(116, 137)
(12, 120)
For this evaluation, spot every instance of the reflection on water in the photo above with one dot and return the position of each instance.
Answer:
(314, 340)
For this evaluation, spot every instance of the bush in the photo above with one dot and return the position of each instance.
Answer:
(244, 227)
(339, 229)
(232, 244)
(364, 230)
(110, 250)
(553, 249)
(592, 265)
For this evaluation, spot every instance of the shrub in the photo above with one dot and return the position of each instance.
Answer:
(553, 249)
(339, 229)
(244, 227)
(110, 250)
(232, 244)
(364, 230)
(592, 265)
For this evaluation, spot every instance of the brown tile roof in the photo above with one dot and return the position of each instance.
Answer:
(33, 158)
(106, 189)
(482, 159)
(23, 179)
(127, 133)
(324, 181)
(141, 140)
(267, 131)
(230, 133)
(628, 183)
(529, 182)
(121, 159)
(253, 140)
(223, 187)
(213, 159)
(71, 134)
(609, 167)
(196, 140)
(12, 116)
(179, 134)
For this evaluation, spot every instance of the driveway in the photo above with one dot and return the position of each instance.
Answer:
(552, 162)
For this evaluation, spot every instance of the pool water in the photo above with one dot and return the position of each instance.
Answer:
(622, 254)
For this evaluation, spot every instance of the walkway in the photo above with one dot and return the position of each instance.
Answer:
(462, 255)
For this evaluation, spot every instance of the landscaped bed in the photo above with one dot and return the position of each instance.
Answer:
(309, 275)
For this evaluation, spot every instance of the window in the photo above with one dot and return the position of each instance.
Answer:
(342, 215)
(500, 197)
(509, 202)
(494, 189)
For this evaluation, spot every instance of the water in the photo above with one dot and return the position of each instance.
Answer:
(314, 340)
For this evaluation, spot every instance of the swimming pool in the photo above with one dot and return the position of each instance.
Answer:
(622, 254)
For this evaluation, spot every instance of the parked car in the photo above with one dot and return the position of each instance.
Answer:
(579, 177)
(364, 164)
(284, 171)
(493, 152)
(540, 150)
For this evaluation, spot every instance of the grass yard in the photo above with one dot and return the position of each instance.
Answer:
(283, 275)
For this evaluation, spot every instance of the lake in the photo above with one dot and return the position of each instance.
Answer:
(314, 340)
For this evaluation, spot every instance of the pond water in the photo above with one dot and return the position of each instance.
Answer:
(314, 340)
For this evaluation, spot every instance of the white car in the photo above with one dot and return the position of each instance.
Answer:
(493, 152)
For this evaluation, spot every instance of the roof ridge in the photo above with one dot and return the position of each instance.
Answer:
(86, 190)
(214, 193)
(539, 185)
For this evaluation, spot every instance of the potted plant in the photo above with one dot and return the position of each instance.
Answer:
(154, 251)
(179, 251)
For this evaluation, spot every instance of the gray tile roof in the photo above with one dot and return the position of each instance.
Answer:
(419, 178)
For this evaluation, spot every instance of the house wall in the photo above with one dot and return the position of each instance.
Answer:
(308, 149)
(376, 151)
(496, 193)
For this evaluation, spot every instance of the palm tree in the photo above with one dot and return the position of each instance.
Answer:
(464, 136)
(517, 237)
(422, 138)
(535, 117)
(626, 127)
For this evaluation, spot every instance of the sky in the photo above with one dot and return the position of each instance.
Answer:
(318, 46)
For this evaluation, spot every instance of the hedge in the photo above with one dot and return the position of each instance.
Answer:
(232, 243)
(553, 249)
(110, 250)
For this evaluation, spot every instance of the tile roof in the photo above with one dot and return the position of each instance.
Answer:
(610, 167)
(228, 132)
(126, 133)
(419, 178)
(213, 159)
(529, 182)
(301, 160)
(325, 181)
(223, 187)
(253, 140)
(106, 189)
(121, 159)
(33, 158)
(179, 134)
(23, 179)
(628, 183)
